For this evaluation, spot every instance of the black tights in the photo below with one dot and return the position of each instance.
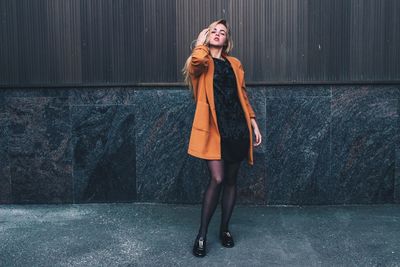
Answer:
(222, 174)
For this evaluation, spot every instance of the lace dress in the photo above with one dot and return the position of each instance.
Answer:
(230, 115)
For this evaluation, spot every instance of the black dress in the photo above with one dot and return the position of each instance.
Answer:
(230, 115)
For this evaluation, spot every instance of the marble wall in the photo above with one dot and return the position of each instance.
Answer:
(322, 145)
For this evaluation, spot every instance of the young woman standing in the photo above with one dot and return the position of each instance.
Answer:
(223, 124)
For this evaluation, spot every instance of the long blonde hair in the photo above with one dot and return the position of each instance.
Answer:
(226, 49)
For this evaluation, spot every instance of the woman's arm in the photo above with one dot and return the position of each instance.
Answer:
(199, 62)
(252, 114)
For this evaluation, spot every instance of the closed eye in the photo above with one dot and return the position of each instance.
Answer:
(221, 32)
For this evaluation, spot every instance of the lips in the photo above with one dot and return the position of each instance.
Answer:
(216, 39)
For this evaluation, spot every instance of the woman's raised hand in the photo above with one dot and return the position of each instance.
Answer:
(201, 39)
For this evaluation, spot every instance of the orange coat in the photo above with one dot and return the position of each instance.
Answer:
(205, 138)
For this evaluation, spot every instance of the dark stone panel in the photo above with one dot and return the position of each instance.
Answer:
(251, 179)
(5, 179)
(39, 127)
(297, 154)
(397, 171)
(40, 180)
(364, 130)
(165, 172)
(39, 149)
(397, 177)
(3, 101)
(103, 142)
(102, 96)
(295, 91)
(304, 159)
(60, 92)
(189, 185)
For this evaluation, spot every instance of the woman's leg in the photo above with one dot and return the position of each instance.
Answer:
(229, 193)
(211, 195)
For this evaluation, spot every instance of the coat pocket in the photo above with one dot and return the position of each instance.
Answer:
(199, 140)
(202, 116)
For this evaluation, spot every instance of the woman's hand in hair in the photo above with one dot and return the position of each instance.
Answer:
(201, 39)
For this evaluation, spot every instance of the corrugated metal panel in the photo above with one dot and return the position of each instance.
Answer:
(147, 41)
(64, 41)
(159, 41)
(192, 16)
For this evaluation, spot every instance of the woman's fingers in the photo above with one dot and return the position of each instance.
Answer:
(202, 36)
(258, 138)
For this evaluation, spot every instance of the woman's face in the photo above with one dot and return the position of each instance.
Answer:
(217, 35)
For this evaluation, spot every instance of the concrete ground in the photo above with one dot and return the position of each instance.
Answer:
(141, 234)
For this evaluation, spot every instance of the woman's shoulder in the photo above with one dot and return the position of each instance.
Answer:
(232, 58)
(235, 61)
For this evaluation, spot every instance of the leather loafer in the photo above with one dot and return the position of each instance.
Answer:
(199, 247)
(226, 239)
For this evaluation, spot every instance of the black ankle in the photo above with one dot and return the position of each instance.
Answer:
(223, 229)
(201, 235)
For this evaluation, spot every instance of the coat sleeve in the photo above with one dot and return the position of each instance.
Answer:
(199, 62)
(251, 111)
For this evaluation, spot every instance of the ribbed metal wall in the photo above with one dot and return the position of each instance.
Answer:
(96, 42)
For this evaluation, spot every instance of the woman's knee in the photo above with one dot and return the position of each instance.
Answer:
(216, 179)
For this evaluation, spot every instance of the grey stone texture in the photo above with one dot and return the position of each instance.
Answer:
(322, 144)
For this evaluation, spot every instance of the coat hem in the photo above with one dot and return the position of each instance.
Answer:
(201, 156)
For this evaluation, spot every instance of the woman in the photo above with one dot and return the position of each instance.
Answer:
(222, 125)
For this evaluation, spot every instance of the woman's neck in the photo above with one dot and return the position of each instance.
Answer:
(216, 51)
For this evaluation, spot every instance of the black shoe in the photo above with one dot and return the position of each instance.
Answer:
(199, 247)
(226, 239)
